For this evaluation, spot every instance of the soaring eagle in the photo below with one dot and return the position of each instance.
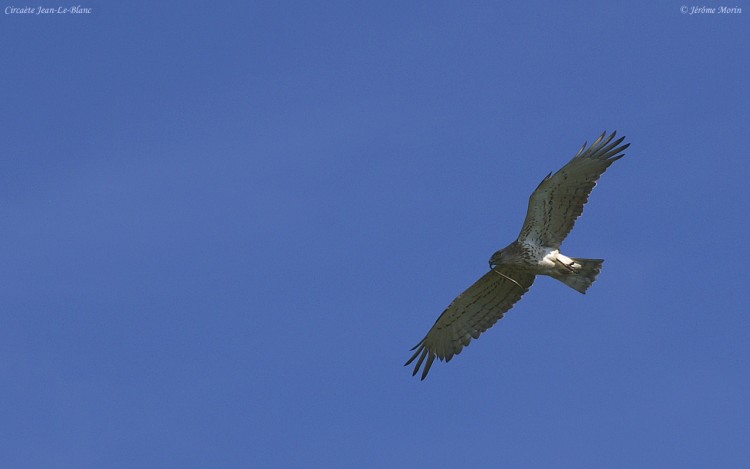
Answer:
(554, 207)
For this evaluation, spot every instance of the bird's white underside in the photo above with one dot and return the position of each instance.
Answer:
(552, 258)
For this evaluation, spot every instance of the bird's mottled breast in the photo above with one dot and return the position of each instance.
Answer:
(533, 254)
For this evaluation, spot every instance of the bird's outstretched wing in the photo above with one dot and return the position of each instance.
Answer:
(471, 313)
(557, 203)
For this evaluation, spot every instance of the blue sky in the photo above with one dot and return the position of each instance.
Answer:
(224, 226)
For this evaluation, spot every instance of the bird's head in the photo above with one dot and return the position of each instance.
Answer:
(506, 256)
(496, 259)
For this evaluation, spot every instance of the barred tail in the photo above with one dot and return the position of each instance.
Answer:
(582, 274)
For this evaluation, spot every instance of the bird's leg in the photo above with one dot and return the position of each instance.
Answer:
(569, 267)
(505, 276)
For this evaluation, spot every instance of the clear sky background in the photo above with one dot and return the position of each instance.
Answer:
(225, 224)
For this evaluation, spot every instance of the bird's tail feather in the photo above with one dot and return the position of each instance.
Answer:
(581, 274)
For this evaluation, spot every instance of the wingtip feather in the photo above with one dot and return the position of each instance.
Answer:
(419, 363)
(427, 366)
(415, 353)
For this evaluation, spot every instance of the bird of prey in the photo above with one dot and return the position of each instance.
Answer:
(554, 207)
